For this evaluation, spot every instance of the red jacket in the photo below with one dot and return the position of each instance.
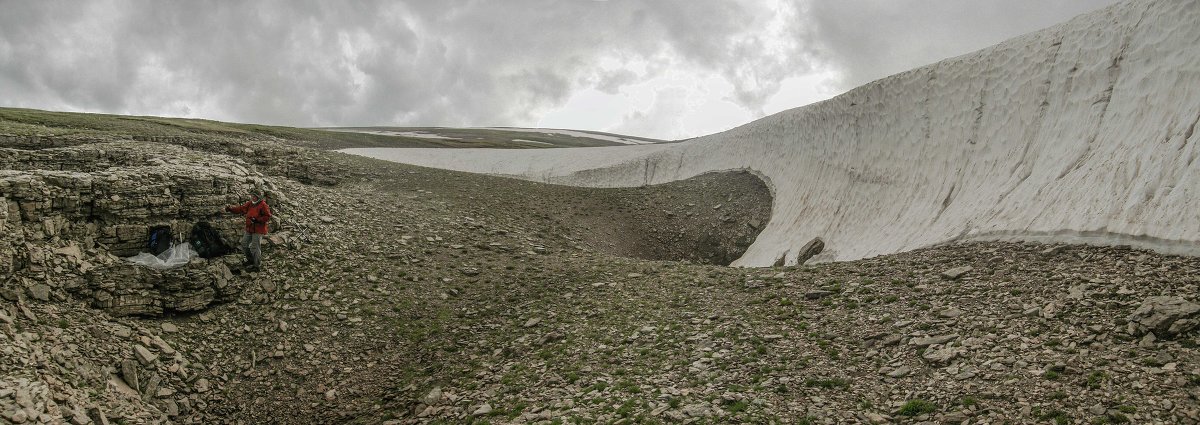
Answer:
(257, 215)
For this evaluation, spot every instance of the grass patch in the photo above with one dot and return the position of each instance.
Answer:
(827, 383)
(737, 407)
(1058, 416)
(1095, 379)
(917, 407)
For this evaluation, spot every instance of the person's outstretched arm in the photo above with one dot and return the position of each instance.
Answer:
(238, 209)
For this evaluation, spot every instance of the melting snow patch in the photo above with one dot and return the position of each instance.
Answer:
(574, 133)
(533, 141)
(416, 134)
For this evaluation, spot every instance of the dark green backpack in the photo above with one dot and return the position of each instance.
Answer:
(207, 241)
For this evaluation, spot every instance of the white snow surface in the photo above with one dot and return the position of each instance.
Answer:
(1082, 132)
(416, 134)
(533, 141)
(573, 133)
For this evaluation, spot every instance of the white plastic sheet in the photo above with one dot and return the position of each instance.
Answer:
(178, 255)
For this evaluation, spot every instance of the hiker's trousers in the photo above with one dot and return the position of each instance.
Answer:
(251, 247)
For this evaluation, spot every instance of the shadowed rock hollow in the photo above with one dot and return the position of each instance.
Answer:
(708, 219)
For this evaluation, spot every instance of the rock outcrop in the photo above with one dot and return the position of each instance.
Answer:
(68, 214)
(1165, 316)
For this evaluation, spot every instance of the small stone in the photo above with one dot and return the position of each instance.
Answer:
(900, 372)
(171, 407)
(170, 328)
(331, 395)
(1054, 250)
(202, 385)
(40, 292)
(950, 313)
(1148, 340)
(953, 418)
(97, 415)
(817, 294)
(957, 272)
(532, 322)
(79, 417)
(482, 410)
(25, 311)
(933, 340)
(129, 373)
(697, 410)
(434, 396)
(144, 355)
(326, 219)
(941, 357)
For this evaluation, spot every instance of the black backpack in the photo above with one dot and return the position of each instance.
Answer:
(160, 239)
(207, 241)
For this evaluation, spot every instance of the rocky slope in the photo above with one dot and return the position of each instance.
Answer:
(412, 295)
(70, 211)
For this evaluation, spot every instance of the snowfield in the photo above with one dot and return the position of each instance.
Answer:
(1086, 131)
(417, 134)
(572, 133)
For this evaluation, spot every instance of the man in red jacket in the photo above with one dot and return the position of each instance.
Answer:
(258, 214)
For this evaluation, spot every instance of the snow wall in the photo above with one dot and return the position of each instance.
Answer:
(1082, 132)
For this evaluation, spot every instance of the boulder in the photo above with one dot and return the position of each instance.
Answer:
(957, 272)
(1165, 316)
(809, 250)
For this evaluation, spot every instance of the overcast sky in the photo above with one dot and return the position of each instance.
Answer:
(656, 68)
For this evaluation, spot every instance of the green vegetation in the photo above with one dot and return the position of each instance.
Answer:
(917, 407)
(737, 406)
(827, 383)
(30, 122)
(1058, 416)
(1095, 379)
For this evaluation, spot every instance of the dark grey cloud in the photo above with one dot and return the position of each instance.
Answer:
(465, 63)
(871, 39)
(343, 63)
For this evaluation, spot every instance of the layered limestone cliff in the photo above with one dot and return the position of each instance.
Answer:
(69, 214)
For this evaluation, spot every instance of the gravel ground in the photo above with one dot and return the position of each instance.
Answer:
(409, 295)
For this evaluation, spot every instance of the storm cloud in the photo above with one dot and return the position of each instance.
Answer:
(871, 39)
(475, 63)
